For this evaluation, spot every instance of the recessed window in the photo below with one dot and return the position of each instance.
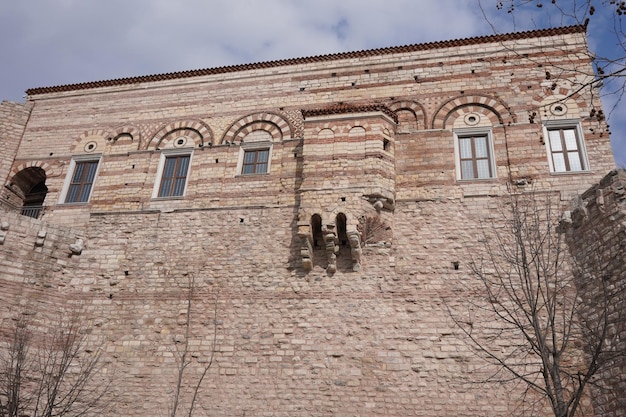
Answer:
(255, 161)
(565, 148)
(474, 155)
(174, 176)
(79, 183)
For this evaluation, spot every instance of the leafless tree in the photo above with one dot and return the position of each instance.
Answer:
(540, 324)
(50, 373)
(185, 358)
(604, 20)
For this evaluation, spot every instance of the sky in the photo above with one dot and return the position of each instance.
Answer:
(55, 42)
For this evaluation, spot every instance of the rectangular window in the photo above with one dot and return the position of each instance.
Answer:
(566, 150)
(255, 161)
(475, 160)
(174, 176)
(81, 182)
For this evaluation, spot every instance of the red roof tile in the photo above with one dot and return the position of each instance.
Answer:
(312, 59)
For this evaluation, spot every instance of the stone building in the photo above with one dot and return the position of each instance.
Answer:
(324, 206)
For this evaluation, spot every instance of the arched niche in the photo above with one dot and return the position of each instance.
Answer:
(341, 222)
(454, 108)
(277, 126)
(29, 186)
(316, 230)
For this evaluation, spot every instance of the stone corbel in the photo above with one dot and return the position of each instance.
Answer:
(355, 249)
(331, 243)
(381, 202)
(76, 248)
(41, 237)
(600, 200)
(306, 248)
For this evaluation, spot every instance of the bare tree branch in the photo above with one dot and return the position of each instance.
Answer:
(528, 297)
(50, 375)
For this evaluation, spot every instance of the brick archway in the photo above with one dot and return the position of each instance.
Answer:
(496, 106)
(277, 126)
(202, 130)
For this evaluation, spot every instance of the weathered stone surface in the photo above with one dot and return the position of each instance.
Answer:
(596, 235)
(328, 273)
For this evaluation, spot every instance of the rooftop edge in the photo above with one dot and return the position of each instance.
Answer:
(312, 59)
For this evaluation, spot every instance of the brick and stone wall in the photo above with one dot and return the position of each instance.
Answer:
(328, 274)
(595, 228)
(13, 119)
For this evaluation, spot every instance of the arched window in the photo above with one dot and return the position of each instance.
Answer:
(30, 186)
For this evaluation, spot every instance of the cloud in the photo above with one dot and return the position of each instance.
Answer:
(53, 42)
(64, 41)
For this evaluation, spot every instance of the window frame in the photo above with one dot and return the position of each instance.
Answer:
(74, 162)
(474, 132)
(561, 125)
(254, 147)
(165, 154)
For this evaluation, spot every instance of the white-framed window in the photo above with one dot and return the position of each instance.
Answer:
(254, 158)
(172, 174)
(80, 179)
(473, 150)
(565, 146)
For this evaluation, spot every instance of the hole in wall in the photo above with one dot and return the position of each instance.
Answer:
(90, 146)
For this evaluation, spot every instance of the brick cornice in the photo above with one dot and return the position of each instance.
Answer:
(343, 108)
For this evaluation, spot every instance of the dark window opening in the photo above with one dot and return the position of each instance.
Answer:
(342, 229)
(316, 226)
(29, 191)
(33, 200)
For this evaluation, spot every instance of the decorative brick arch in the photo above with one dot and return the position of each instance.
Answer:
(539, 100)
(103, 134)
(201, 129)
(454, 106)
(25, 176)
(127, 131)
(30, 164)
(413, 107)
(329, 132)
(275, 124)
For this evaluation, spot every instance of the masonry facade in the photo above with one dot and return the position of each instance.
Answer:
(325, 207)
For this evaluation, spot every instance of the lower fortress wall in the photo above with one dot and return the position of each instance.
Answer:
(288, 342)
(596, 235)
